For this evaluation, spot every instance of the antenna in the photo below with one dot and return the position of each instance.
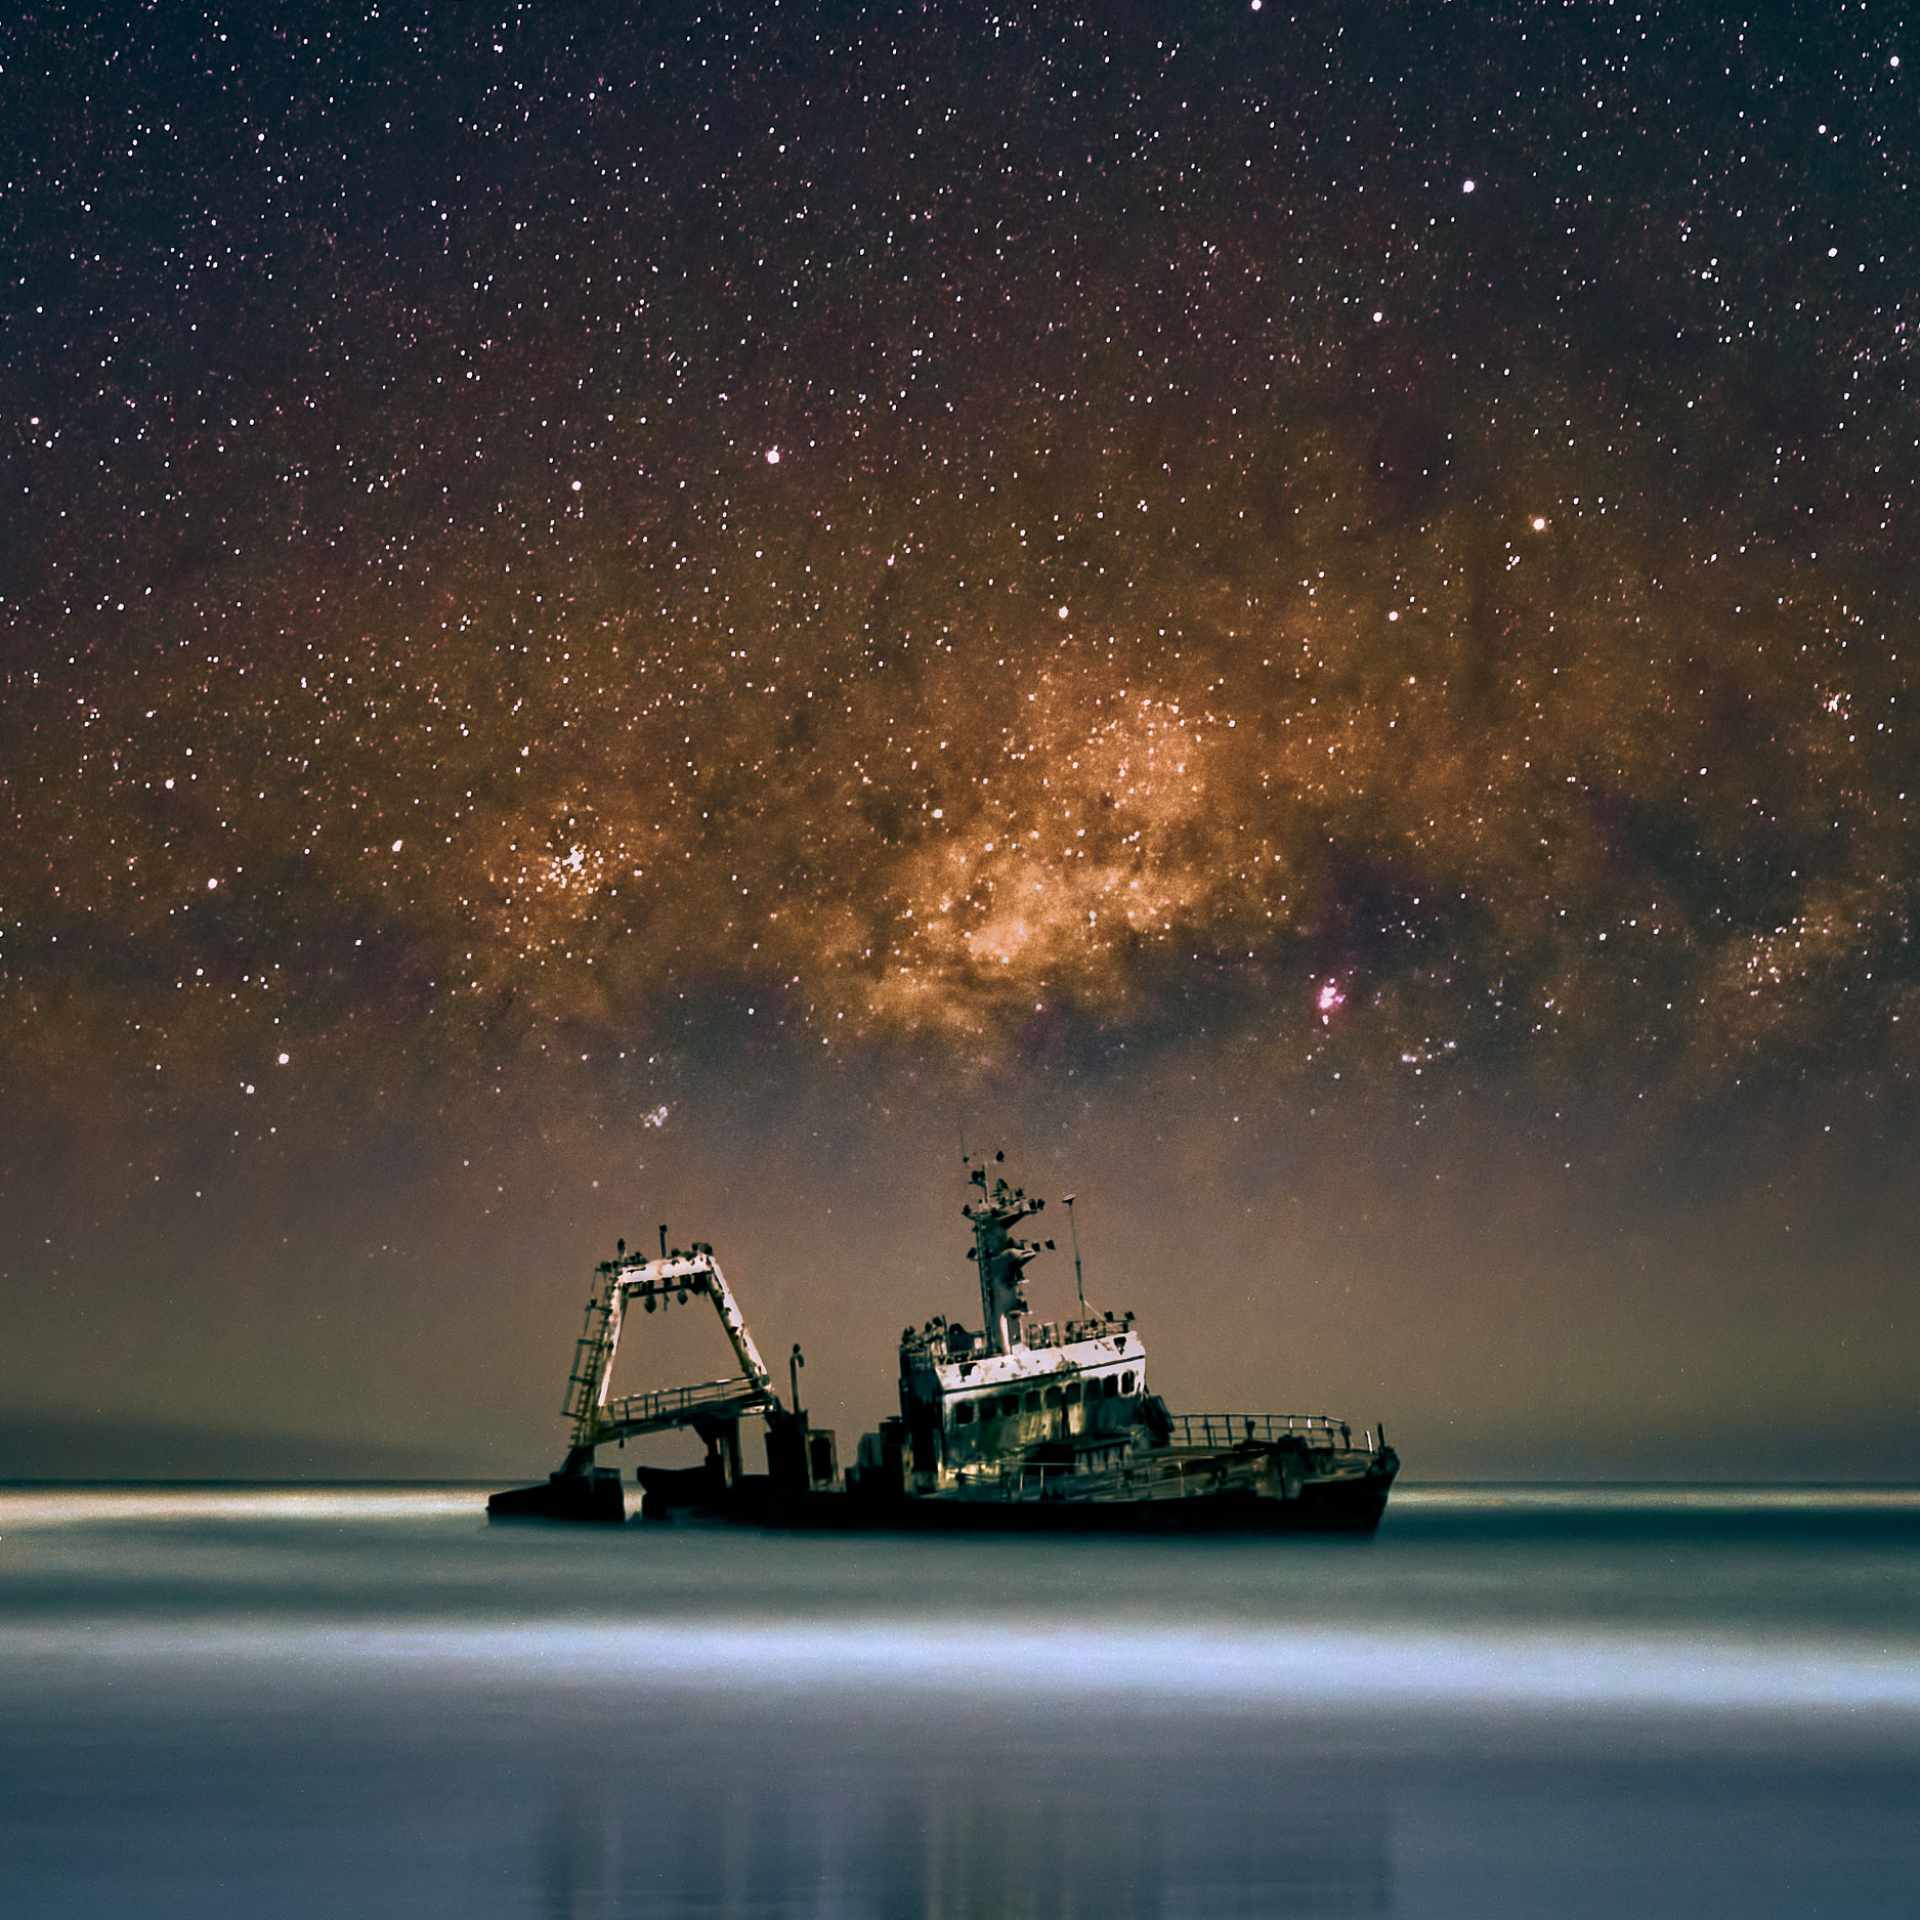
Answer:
(1079, 1282)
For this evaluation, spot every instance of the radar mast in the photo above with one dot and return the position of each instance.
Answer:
(1001, 1259)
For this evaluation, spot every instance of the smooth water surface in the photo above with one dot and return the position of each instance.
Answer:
(1513, 1701)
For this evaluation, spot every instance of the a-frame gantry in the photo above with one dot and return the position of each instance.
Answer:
(707, 1405)
(579, 1490)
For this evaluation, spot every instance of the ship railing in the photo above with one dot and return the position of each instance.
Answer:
(1238, 1429)
(667, 1404)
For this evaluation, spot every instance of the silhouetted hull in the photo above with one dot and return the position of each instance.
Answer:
(1351, 1504)
(1352, 1507)
(594, 1498)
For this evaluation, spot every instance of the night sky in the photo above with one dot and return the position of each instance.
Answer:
(1304, 617)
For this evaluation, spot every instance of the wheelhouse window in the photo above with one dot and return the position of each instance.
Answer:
(963, 1414)
(1126, 1382)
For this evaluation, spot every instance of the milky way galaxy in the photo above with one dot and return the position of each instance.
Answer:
(1317, 573)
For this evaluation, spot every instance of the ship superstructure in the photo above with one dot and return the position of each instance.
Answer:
(973, 1401)
(1022, 1423)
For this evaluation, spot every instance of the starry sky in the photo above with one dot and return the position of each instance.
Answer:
(1301, 615)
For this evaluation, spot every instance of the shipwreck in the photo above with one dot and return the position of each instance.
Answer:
(1020, 1423)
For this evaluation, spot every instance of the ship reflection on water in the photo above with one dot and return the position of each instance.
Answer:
(225, 1703)
(884, 1848)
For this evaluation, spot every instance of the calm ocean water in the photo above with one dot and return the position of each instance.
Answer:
(1513, 1702)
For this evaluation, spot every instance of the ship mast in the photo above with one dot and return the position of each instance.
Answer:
(1001, 1259)
(1079, 1278)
